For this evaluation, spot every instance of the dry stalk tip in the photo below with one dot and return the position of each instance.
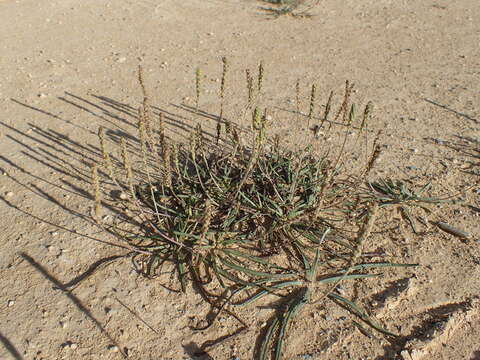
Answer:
(198, 79)
(107, 162)
(261, 71)
(312, 103)
(127, 167)
(249, 88)
(97, 193)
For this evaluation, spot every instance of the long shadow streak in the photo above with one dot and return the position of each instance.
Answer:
(8, 203)
(91, 269)
(73, 298)
(107, 113)
(10, 347)
(19, 168)
(466, 116)
(52, 115)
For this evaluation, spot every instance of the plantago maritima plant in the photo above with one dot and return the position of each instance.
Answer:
(252, 219)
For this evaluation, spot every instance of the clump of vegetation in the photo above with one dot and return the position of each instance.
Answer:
(242, 217)
(295, 8)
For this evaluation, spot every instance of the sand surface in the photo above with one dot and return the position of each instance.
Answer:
(69, 66)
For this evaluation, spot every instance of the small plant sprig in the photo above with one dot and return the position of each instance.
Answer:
(222, 97)
(297, 98)
(97, 194)
(295, 8)
(261, 74)
(198, 89)
(223, 84)
(249, 89)
(312, 104)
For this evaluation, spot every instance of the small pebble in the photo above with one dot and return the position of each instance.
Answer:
(412, 167)
(69, 345)
(306, 357)
(121, 60)
(113, 348)
(9, 194)
(42, 95)
(109, 310)
(317, 132)
(63, 324)
(11, 303)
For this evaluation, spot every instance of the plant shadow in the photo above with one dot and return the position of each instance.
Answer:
(7, 344)
(74, 299)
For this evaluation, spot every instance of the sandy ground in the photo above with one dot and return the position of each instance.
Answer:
(69, 66)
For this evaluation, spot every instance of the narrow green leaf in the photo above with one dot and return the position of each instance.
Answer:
(267, 339)
(356, 310)
(262, 293)
(254, 272)
(377, 265)
(347, 277)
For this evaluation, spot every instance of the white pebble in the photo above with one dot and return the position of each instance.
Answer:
(9, 194)
(11, 303)
(113, 348)
(121, 60)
